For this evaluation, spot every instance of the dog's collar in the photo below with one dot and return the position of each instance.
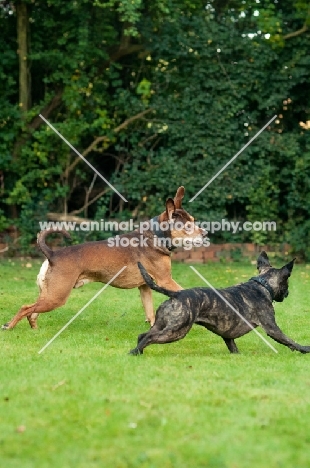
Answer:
(155, 228)
(264, 283)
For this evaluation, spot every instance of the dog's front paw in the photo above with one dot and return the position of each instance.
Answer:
(135, 352)
(5, 326)
(150, 322)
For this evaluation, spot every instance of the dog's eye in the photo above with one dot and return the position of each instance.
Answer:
(175, 215)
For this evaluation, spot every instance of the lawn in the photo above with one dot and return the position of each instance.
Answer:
(84, 402)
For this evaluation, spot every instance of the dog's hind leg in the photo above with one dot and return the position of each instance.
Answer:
(156, 336)
(140, 337)
(32, 319)
(42, 305)
(231, 345)
(54, 295)
(24, 310)
(173, 322)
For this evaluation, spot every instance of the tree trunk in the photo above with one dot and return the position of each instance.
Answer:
(22, 40)
(24, 75)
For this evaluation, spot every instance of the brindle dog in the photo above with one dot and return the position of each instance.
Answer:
(203, 306)
(73, 266)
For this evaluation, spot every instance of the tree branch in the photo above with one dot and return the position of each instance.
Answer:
(296, 33)
(122, 52)
(88, 192)
(105, 138)
(88, 203)
(36, 122)
(55, 101)
(124, 48)
(66, 217)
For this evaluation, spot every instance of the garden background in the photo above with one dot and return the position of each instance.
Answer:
(155, 95)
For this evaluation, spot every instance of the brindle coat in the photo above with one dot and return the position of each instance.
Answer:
(203, 306)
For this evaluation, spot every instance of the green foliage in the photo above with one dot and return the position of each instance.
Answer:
(129, 13)
(209, 79)
(4, 222)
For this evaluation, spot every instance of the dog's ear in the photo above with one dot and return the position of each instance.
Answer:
(288, 267)
(170, 208)
(179, 197)
(263, 261)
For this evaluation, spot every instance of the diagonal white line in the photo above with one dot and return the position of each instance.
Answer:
(82, 157)
(233, 158)
(80, 311)
(235, 310)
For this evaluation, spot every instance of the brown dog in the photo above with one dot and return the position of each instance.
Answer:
(74, 266)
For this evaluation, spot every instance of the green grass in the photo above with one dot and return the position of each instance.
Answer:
(84, 402)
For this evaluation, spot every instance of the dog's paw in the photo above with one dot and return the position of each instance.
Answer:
(135, 352)
(150, 322)
(305, 349)
(5, 326)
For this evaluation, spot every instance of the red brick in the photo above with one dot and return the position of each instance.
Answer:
(194, 260)
(196, 255)
(212, 248)
(286, 248)
(250, 247)
(227, 246)
(178, 256)
(208, 255)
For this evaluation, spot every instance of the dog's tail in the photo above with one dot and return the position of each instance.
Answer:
(41, 241)
(151, 283)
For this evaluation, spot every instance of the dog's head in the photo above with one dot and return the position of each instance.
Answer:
(182, 227)
(277, 279)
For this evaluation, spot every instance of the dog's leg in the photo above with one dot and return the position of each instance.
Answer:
(140, 337)
(54, 295)
(276, 334)
(147, 301)
(268, 323)
(156, 336)
(25, 310)
(169, 283)
(231, 345)
(42, 305)
(32, 319)
(173, 322)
